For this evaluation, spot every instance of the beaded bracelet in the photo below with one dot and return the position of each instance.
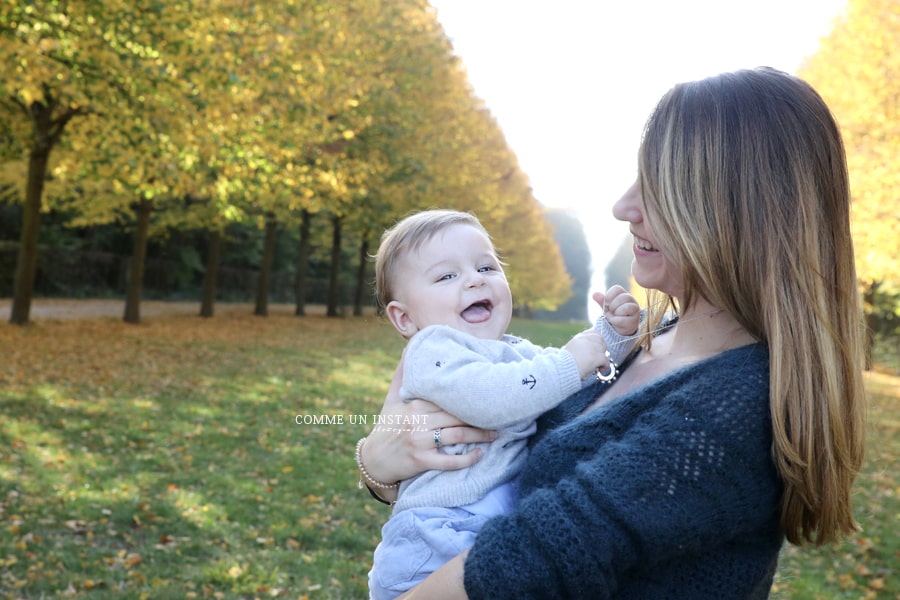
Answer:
(365, 474)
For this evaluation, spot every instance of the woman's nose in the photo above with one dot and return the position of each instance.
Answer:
(629, 207)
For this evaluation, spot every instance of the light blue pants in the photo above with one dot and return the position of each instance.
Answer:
(416, 541)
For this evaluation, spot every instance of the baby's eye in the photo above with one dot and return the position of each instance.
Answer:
(487, 268)
(446, 277)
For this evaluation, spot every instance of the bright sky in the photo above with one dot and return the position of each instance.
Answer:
(572, 81)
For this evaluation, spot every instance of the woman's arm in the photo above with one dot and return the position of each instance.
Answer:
(394, 453)
(444, 584)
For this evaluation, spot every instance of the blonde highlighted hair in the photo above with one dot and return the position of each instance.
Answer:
(744, 178)
(407, 236)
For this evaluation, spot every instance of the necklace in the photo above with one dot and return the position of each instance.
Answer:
(613, 370)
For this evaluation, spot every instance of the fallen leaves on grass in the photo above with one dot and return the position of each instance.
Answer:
(136, 459)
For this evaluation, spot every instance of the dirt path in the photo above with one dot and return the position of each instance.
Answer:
(56, 309)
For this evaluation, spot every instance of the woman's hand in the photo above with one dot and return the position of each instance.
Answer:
(404, 444)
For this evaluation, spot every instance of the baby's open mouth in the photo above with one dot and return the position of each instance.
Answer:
(478, 312)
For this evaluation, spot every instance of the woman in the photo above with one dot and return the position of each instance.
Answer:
(740, 421)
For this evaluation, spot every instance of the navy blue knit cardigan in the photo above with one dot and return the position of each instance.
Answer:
(667, 492)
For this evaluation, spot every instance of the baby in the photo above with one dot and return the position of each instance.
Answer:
(443, 288)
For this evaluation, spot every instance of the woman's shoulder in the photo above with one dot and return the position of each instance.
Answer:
(724, 369)
(723, 382)
(730, 389)
(735, 376)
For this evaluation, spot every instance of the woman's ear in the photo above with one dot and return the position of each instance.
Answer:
(398, 314)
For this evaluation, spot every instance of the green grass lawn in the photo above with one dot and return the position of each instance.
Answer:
(165, 460)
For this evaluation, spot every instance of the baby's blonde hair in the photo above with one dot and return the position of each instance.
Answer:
(408, 235)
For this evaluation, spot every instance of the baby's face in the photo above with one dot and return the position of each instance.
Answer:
(455, 279)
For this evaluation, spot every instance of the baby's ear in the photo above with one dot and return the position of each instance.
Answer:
(400, 318)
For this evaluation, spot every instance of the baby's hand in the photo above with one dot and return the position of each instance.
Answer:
(589, 350)
(620, 309)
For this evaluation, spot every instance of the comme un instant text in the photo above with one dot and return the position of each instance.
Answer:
(358, 419)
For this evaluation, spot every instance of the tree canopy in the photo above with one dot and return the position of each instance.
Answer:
(857, 71)
(191, 116)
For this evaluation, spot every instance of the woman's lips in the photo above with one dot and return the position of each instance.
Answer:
(643, 245)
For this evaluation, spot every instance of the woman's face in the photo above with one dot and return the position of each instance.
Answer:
(650, 268)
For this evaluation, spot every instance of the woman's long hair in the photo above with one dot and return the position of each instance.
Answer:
(745, 183)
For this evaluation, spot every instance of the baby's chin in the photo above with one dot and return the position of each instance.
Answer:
(492, 329)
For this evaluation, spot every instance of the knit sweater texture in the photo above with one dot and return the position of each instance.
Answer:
(667, 492)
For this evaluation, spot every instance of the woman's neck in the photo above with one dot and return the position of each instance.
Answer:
(700, 333)
(704, 330)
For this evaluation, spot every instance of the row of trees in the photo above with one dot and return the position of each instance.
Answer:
(302, 115)
(164, 117)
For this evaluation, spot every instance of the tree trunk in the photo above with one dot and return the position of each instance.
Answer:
(870, 311)
(334, 301)
(46, 132)
(210, 278)
(302, 265)
(26, 262)
(361, 286)
(138, 259)
(265, 273)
